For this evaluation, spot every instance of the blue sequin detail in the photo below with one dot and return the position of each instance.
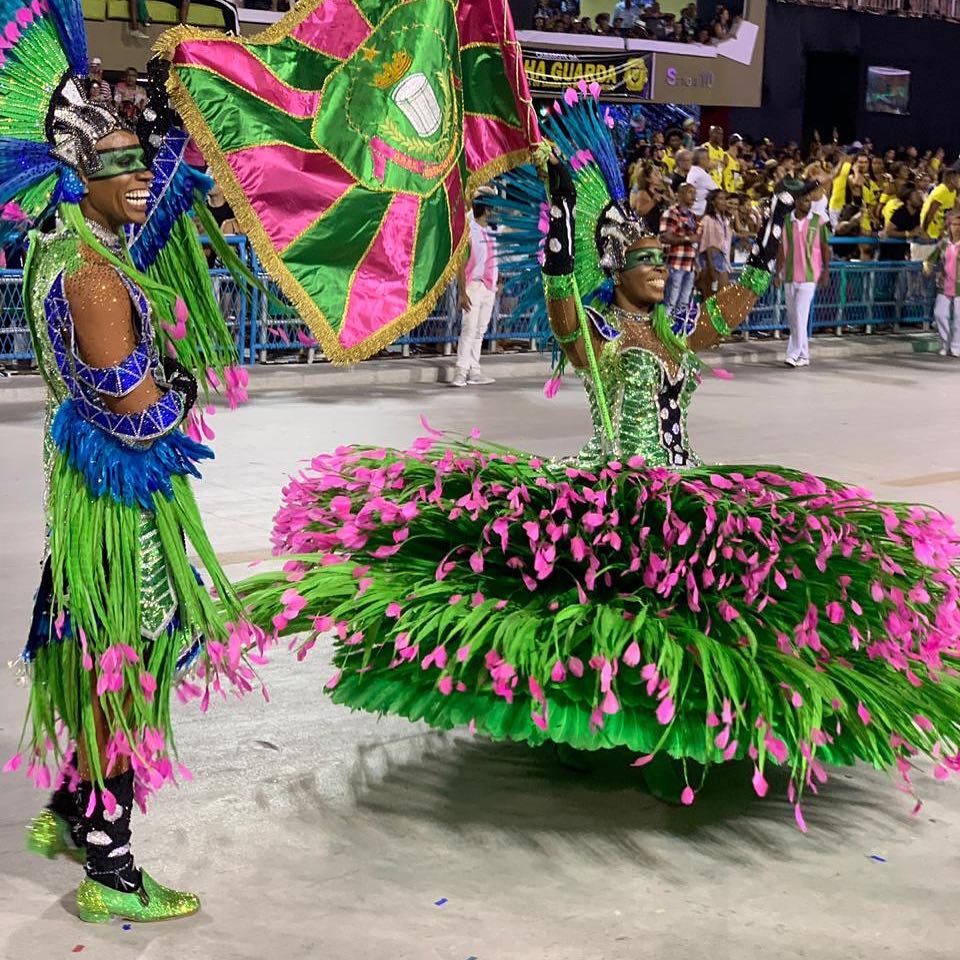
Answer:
(157, 420)
(172, 192)
(127, 474)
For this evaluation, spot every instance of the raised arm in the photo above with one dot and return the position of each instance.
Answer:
(558, 280)
(729, 307)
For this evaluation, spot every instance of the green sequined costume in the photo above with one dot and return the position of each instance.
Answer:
(119, 606)
(629, 597)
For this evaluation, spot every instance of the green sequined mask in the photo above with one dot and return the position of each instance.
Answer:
(119, 161)
(644, 257)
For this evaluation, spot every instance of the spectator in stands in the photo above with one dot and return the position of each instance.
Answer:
(603, 24)
(128, 96)
(688, 20)
(673, 143)
(733, 167)
(690, 129)
(682, 163)
(717, 154)
(803, 264)
(936, 161)
(139, 18)
(902, 225)
(99, 88)
(840, 188)
(648, 195)
(626, 11)
(478, 281)
(940, 202)
(721, 24)
(700, 179)
(716, 242)
(221, 210)
(678, 234)
(654, 23)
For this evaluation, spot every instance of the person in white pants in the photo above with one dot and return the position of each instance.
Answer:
(946, 309)
(803, 264)
(478, 293)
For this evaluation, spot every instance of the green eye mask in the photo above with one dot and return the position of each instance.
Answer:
(645, 257)
(118, 162)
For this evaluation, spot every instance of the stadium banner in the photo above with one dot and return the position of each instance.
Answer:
(622, 76)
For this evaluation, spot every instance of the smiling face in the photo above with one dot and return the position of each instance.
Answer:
(118, 192)
(643, 278)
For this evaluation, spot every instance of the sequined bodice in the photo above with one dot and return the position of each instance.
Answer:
(648, 407)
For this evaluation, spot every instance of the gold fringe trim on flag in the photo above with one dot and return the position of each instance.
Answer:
(272, 262)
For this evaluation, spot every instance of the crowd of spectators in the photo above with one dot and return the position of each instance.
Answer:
(125, 95)
(707, 199)
(638, 19)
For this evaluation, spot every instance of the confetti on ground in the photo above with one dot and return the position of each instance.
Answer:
(440, 902)
(879, 859)
(128, 926)
(722, 374)
(79, 948)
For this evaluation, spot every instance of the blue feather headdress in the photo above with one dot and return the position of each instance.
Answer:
(605, 225)
(48, 130)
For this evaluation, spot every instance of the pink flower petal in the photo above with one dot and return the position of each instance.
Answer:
(686, 798)
(665, 711)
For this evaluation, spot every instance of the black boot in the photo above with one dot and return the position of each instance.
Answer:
(106, 835)
(64, 804)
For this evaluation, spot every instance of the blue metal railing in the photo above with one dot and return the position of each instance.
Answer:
(860, 296)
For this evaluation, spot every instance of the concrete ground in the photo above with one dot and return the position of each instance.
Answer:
(311, 832)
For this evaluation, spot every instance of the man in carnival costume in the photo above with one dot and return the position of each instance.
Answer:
(120, 616)
(628, 596)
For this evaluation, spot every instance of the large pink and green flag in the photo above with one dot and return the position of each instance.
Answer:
(348, 138)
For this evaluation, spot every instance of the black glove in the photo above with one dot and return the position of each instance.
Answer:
(763, 255)
(562, 196)
(181, 380)
(157, 116)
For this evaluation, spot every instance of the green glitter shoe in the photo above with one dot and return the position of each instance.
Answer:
(152, 902)
(49, 836)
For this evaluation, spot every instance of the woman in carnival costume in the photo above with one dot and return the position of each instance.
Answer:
(629, 596)
(120, 615)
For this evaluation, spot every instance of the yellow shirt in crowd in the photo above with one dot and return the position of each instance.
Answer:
(669, 161)
(946, 197)
(871, 197)
(718, 162)
(890, 208)
(838, 193)
(732, 178)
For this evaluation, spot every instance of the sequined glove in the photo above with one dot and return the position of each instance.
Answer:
(558, 250)
(181, 380)
(763, 255)
(157, 116)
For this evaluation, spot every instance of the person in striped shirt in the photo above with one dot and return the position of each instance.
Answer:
(945, 310)
(803, 264)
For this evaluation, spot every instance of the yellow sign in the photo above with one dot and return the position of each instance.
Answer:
(551, 72)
